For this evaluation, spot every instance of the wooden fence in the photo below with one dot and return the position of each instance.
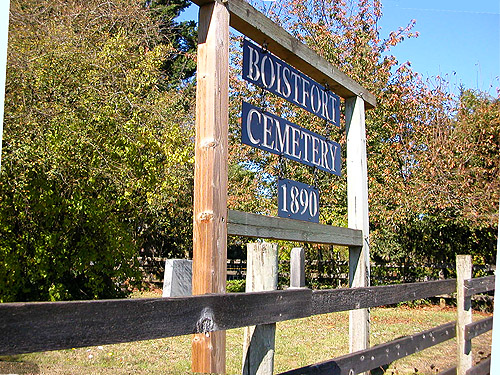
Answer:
(32, 327)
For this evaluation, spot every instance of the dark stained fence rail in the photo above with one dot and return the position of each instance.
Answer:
(379, 355)
(30, 327)
(333, 300)
(479, 285)
(450, 371)
(478, 328)
(483, 368)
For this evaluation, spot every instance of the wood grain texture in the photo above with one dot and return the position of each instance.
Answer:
(379, 355)
(334, 300)
(255, 25)
(478, 328)
(30, 327)
(357, 217)
(260, 226)
(479, 285)
(210, 175)
(483, 368)
(259, 341)
(464, 314)
(41, 326)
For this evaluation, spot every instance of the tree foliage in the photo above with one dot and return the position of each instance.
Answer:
(96, 164)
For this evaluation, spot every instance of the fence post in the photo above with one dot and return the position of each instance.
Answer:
(210, 176)
(357, 212)
(297, 268)
(258, 341)
(464, 312)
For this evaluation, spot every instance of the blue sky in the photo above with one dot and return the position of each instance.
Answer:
(459, 40)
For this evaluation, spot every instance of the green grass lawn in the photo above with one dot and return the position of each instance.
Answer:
(298, 343)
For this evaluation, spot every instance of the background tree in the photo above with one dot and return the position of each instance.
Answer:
(405, 139)
(96, 150)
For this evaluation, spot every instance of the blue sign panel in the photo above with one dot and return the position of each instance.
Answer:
(266, 70)
(271, 133)
(298, 201)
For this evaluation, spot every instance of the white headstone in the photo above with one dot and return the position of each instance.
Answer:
(177, 279)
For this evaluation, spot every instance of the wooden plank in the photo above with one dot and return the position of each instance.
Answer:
(210, 175)
(334, 300)
(450, 371)
(479, 285)
(260, 226)
(357, 216)
(255, 25)
(259, 341)
(478, 328)
(380, 355)
(41, 326)
(464, 314)
(483, 368)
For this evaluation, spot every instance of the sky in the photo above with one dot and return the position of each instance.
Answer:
(459, 40)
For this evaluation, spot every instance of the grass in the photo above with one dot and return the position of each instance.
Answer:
(298, 343)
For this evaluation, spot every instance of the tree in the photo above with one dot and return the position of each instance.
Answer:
(182, 36)
(403, 134)
(96, 150)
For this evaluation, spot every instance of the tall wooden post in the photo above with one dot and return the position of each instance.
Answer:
(464, 314)
(210, 177)
(495, 342)
(357, 202)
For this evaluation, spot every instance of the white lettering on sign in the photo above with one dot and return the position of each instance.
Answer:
(271, 133)
(267, 71)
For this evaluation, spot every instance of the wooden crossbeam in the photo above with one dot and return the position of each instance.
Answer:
(252, 23)
(260, 226)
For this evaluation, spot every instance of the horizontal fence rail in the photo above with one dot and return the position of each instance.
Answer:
(334, 300)
(40, 326)
(450, 371)
(479, 285)
(478, 328)
(379, 355)
(30, 327)
(260, 226)
(482, 368)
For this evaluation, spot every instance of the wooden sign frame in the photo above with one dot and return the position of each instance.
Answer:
(211, 152)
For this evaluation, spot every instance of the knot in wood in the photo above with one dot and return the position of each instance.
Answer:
(209, 143)
(206, 322)
(206, 216)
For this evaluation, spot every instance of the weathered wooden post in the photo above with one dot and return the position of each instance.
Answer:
(357, 202)
(495, 343)
(464, 314)
(297, 268)
(210, 176)
(258, 341)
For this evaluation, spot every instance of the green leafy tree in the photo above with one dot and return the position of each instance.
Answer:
(96, 151)
(182, 36)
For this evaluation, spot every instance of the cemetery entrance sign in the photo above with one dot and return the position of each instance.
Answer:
(299, 85)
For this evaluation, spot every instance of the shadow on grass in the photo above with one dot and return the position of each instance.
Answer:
(12, 365)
